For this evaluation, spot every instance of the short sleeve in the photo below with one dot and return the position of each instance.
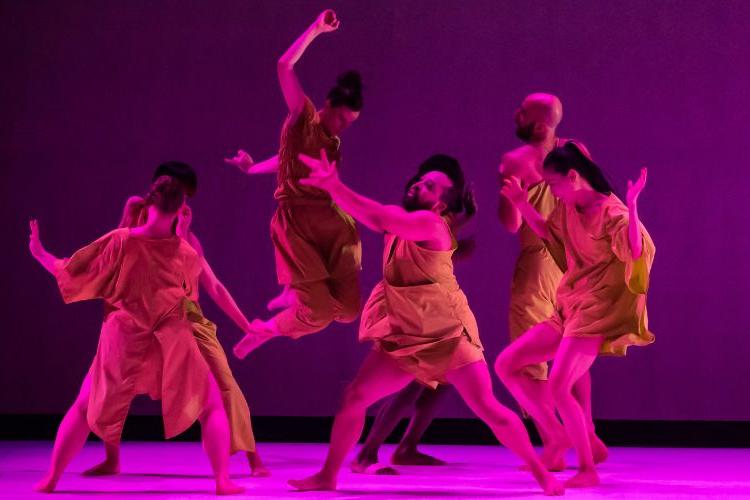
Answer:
(307, 117)
(637, 272)
(91, 272)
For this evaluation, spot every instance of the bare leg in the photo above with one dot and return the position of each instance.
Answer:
(424, 412)
(386, 420)
(574, 358)
(538, 344)
(474, 385)
(111, 464)
(71, 436)
(215, 436)
(378, 377)
(582, 393)
(257, 467)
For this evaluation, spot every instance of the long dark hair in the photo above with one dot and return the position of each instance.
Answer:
(569, 157)
(347, 92)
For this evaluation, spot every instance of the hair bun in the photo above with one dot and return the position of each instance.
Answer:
(351, 81)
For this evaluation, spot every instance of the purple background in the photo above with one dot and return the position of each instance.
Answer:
(95, 94)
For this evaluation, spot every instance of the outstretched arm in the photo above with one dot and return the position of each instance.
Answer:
(247, 165)
(290, 86)
(519, 197)
(46, 259)
(420, 225)
(221, 296)
(634, 224)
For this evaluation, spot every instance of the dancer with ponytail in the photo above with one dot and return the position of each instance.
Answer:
(148, 277)
(600, 302)
(316, 243)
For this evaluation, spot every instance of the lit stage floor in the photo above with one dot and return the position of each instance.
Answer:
(167, 470)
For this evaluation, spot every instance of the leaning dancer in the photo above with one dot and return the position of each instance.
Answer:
(539, 267)
(418, 318)
(204, 331)
(601, 300)
(316, 243)
(146, 343)
(423, 401)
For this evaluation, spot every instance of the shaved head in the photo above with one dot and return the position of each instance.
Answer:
(538, 116)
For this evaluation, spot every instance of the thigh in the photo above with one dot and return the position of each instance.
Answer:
(474, 385)
(378, 377)
(538, 344)
(573, 359)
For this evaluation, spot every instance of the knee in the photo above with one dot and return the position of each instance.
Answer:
(504, 366)
(561, 391)
(354, 399)
(317, 313)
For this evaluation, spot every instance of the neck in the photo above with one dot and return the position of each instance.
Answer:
(158, 225)
(588, 199)
(547, 144)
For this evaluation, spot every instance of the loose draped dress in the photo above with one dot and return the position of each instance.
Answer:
(146, 343)
(603, 291)
(313, 238)
(418, 315)
(204, 331)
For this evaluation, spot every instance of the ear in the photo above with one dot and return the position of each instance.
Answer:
(540, 129)
(440, 207)
(573, 175)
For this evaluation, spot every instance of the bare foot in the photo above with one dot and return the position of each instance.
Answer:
(583, 479)
(282, 300)
(46, 485)
(228, 487)
(105, 468)
(256, 337)
(598, 449)
(553, 459)
(257, 469)
(316, 482)
(414, 457)
(550, 485)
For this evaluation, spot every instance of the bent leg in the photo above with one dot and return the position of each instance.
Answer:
(474, 385)
(378, 377)
(424, 412)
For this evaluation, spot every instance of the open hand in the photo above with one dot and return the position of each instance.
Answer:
(513, 190)
(323, 174)
(242, 160)
(635, 188)
(35, 243)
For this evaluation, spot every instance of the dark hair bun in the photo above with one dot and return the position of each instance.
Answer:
(167, 194)
(348, 91)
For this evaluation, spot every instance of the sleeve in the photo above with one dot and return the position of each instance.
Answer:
(306, 118)
(637, 272)
(556, 244)
(91, 272)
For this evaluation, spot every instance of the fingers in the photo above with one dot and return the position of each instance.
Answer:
(309, 161)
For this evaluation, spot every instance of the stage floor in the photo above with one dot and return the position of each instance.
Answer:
(180, 470)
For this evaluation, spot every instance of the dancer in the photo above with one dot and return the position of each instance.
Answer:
(417, 316)
(424, 401)
(146, 344)
(539, 267)
(135, 214)
(601, 300)
(316, 244)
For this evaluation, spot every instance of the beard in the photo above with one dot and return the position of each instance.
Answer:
(525, 132)
(412, 203)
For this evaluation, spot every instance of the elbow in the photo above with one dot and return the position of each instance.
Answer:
(284, 65)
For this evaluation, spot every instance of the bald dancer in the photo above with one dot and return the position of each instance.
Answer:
(539, 267)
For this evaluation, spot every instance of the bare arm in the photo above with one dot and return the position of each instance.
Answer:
(635, 240)
(46, 259)
(510, 217)
(247, 165)
(290, 86)
(519, 197)
(221, 296)
(420, 225)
